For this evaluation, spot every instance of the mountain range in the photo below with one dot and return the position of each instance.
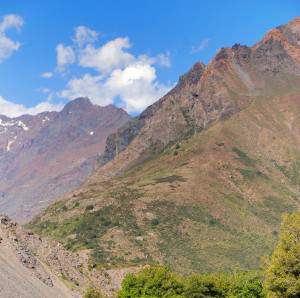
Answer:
(44, 156)
(198, 181)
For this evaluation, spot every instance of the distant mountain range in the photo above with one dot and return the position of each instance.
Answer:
(47, 155)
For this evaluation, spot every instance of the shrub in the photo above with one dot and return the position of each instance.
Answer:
(247, 285)
(152, 282)
(283, 272)
(201, 286)
(154, 222)
(156, 282)
(89, 207)
(93, 292)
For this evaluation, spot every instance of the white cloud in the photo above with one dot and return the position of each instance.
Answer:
(135, 85)
(84, 35)
(108, 57)
(11, 21)
(120, 76)
(201, 46)
(7, 45)
(11, 109)
(64, 56)
(47, 75)
(88, 86)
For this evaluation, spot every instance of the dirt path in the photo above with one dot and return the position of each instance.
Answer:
(17, 281)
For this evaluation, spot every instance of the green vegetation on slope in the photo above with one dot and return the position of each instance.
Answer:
(280, 279)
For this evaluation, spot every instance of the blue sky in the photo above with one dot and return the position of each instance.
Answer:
(125, 52)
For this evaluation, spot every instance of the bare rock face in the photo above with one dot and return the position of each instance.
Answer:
(44, 156)
(230, 82)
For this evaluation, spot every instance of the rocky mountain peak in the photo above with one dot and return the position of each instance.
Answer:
(78, 104)
(193, 75)
(206, 94)
(294, 25)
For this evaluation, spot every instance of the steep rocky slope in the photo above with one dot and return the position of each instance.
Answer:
(44, 156)
(199, 181)
(36, 267)
(22, 273)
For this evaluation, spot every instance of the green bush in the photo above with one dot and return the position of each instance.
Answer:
(154, 222)
(247, 285)
(201, 286)
(89, 207)
(156, 282)
(152, 282)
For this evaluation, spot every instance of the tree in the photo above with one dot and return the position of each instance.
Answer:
(219, 285)
(246, 285)
(283, 273)
(205, 286)
(154, 282)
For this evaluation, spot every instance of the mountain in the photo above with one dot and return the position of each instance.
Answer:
(200, 179)
(44, 156)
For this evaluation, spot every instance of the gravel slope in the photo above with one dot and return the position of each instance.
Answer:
(17, 281)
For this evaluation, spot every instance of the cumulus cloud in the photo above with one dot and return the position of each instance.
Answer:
(135, 85)
(88, 86)
(47, 75)
(84, 35)
(12, 109)
(118, 75)
(64, 56)
(8, 45)
(111, 55)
